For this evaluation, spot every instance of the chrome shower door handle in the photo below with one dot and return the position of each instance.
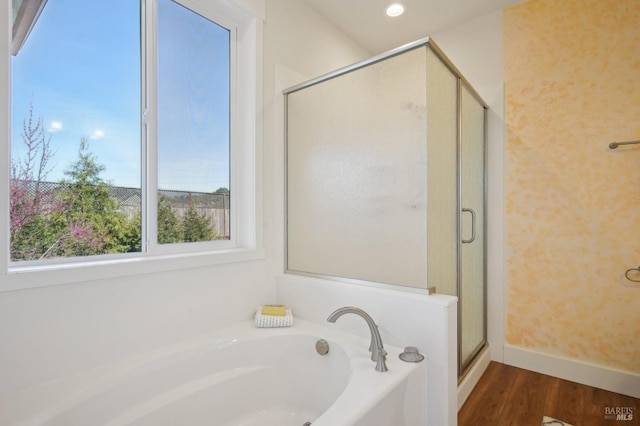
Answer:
(473, 226)
(632, 271)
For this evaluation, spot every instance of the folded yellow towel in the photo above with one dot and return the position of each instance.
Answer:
(274, 310)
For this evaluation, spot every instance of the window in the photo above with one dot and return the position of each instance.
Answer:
(124, 131)
(75, 132)
(193, 126)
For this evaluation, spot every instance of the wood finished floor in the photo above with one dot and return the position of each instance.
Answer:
(510, 396)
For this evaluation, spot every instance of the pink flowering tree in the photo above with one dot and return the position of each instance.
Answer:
(31, 205)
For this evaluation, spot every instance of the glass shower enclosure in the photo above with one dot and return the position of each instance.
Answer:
(386, 180)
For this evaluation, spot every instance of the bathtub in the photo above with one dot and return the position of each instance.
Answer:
(240, 375)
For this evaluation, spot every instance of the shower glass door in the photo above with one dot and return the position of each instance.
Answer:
(471, 290)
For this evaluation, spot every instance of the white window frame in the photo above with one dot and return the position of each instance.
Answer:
(244, 19)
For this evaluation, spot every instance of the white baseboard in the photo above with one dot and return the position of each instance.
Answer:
(473, 375)
(598, 376)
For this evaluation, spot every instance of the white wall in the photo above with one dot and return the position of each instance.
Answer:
(52, 332)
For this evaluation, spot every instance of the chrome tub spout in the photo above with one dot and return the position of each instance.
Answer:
(378, 354)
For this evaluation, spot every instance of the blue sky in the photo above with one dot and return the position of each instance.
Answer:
(80, 67)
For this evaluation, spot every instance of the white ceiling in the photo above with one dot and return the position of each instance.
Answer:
(366, 23)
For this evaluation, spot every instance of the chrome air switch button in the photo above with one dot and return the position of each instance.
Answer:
(411, 354)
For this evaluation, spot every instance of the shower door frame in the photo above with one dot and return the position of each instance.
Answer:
(464, 365)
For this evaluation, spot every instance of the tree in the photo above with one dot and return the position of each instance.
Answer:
(196, 227)
(192, 227)
(93, 211)
(132, 233)
(169, 226)
(31, 207)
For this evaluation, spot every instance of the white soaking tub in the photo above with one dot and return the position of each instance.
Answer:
(240, 375)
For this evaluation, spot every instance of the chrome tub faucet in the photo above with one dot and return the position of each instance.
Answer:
(378, 354)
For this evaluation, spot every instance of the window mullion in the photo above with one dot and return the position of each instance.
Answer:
(150, 128)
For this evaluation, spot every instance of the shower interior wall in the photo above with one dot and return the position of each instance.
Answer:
(572, 207)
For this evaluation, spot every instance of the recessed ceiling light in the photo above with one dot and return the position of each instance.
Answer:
(395, 9)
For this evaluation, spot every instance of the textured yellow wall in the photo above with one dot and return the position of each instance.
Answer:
(572, 84)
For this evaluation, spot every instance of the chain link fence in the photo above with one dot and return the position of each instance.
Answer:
(214, 206)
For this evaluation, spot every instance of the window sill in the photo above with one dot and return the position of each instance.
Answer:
(35, 276)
